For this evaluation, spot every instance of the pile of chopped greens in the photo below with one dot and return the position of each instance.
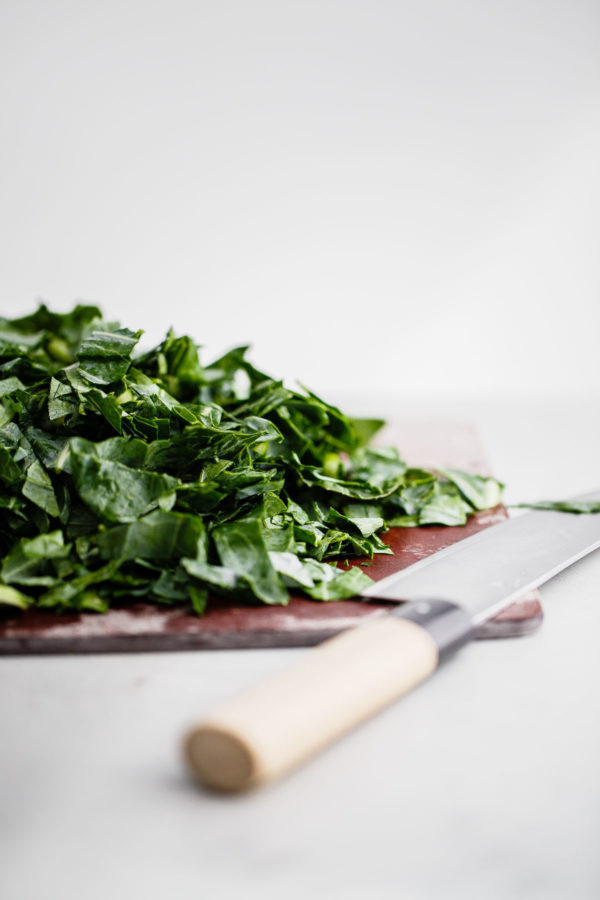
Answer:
(153, 477)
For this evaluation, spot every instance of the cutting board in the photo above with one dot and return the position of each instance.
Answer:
(303, 622)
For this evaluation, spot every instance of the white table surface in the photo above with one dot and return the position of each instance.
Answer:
(484, 783)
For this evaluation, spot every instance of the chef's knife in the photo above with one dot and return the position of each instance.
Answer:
(269, 729)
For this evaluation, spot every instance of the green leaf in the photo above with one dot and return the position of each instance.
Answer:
(28, 560)
(444, 506)
(359, 490)
(581, 507)
(320, 581)
(365, 429)
(108, 406)
(343, 586)
(116, 492)
(105, 356)
(296, 571)
(10, 385)
(38, 488)
(10, 596)
(62, 400)
(158, 536)
(90, 601)
(378, 466)
(199, 599)
(241, 549)
(10, 473)
(480, 492)
(364, 525)
(222, 579)
(65, 593)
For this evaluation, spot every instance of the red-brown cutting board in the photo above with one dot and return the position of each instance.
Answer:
(304, 622)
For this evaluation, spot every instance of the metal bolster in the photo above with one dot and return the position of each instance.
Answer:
(449, 624)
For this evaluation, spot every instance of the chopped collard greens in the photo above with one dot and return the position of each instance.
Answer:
(150, 476)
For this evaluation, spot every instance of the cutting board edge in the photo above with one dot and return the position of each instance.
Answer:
(255, 640)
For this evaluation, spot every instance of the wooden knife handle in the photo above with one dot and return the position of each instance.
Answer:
(271, 728)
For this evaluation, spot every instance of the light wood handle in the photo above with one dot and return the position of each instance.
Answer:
(273, 727)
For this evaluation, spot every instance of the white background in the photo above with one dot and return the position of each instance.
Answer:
(379, 196)
(399, 204)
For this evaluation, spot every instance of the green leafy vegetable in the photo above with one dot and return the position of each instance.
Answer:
(114, 490)
(569, 506)
(480, 492)
(241, 549)
(9, 596)
(153, 476)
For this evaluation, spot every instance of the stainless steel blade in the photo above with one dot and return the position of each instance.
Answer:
(487, 571)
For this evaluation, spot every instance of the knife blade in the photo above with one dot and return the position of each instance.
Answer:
(508, 559)
(273, 727)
